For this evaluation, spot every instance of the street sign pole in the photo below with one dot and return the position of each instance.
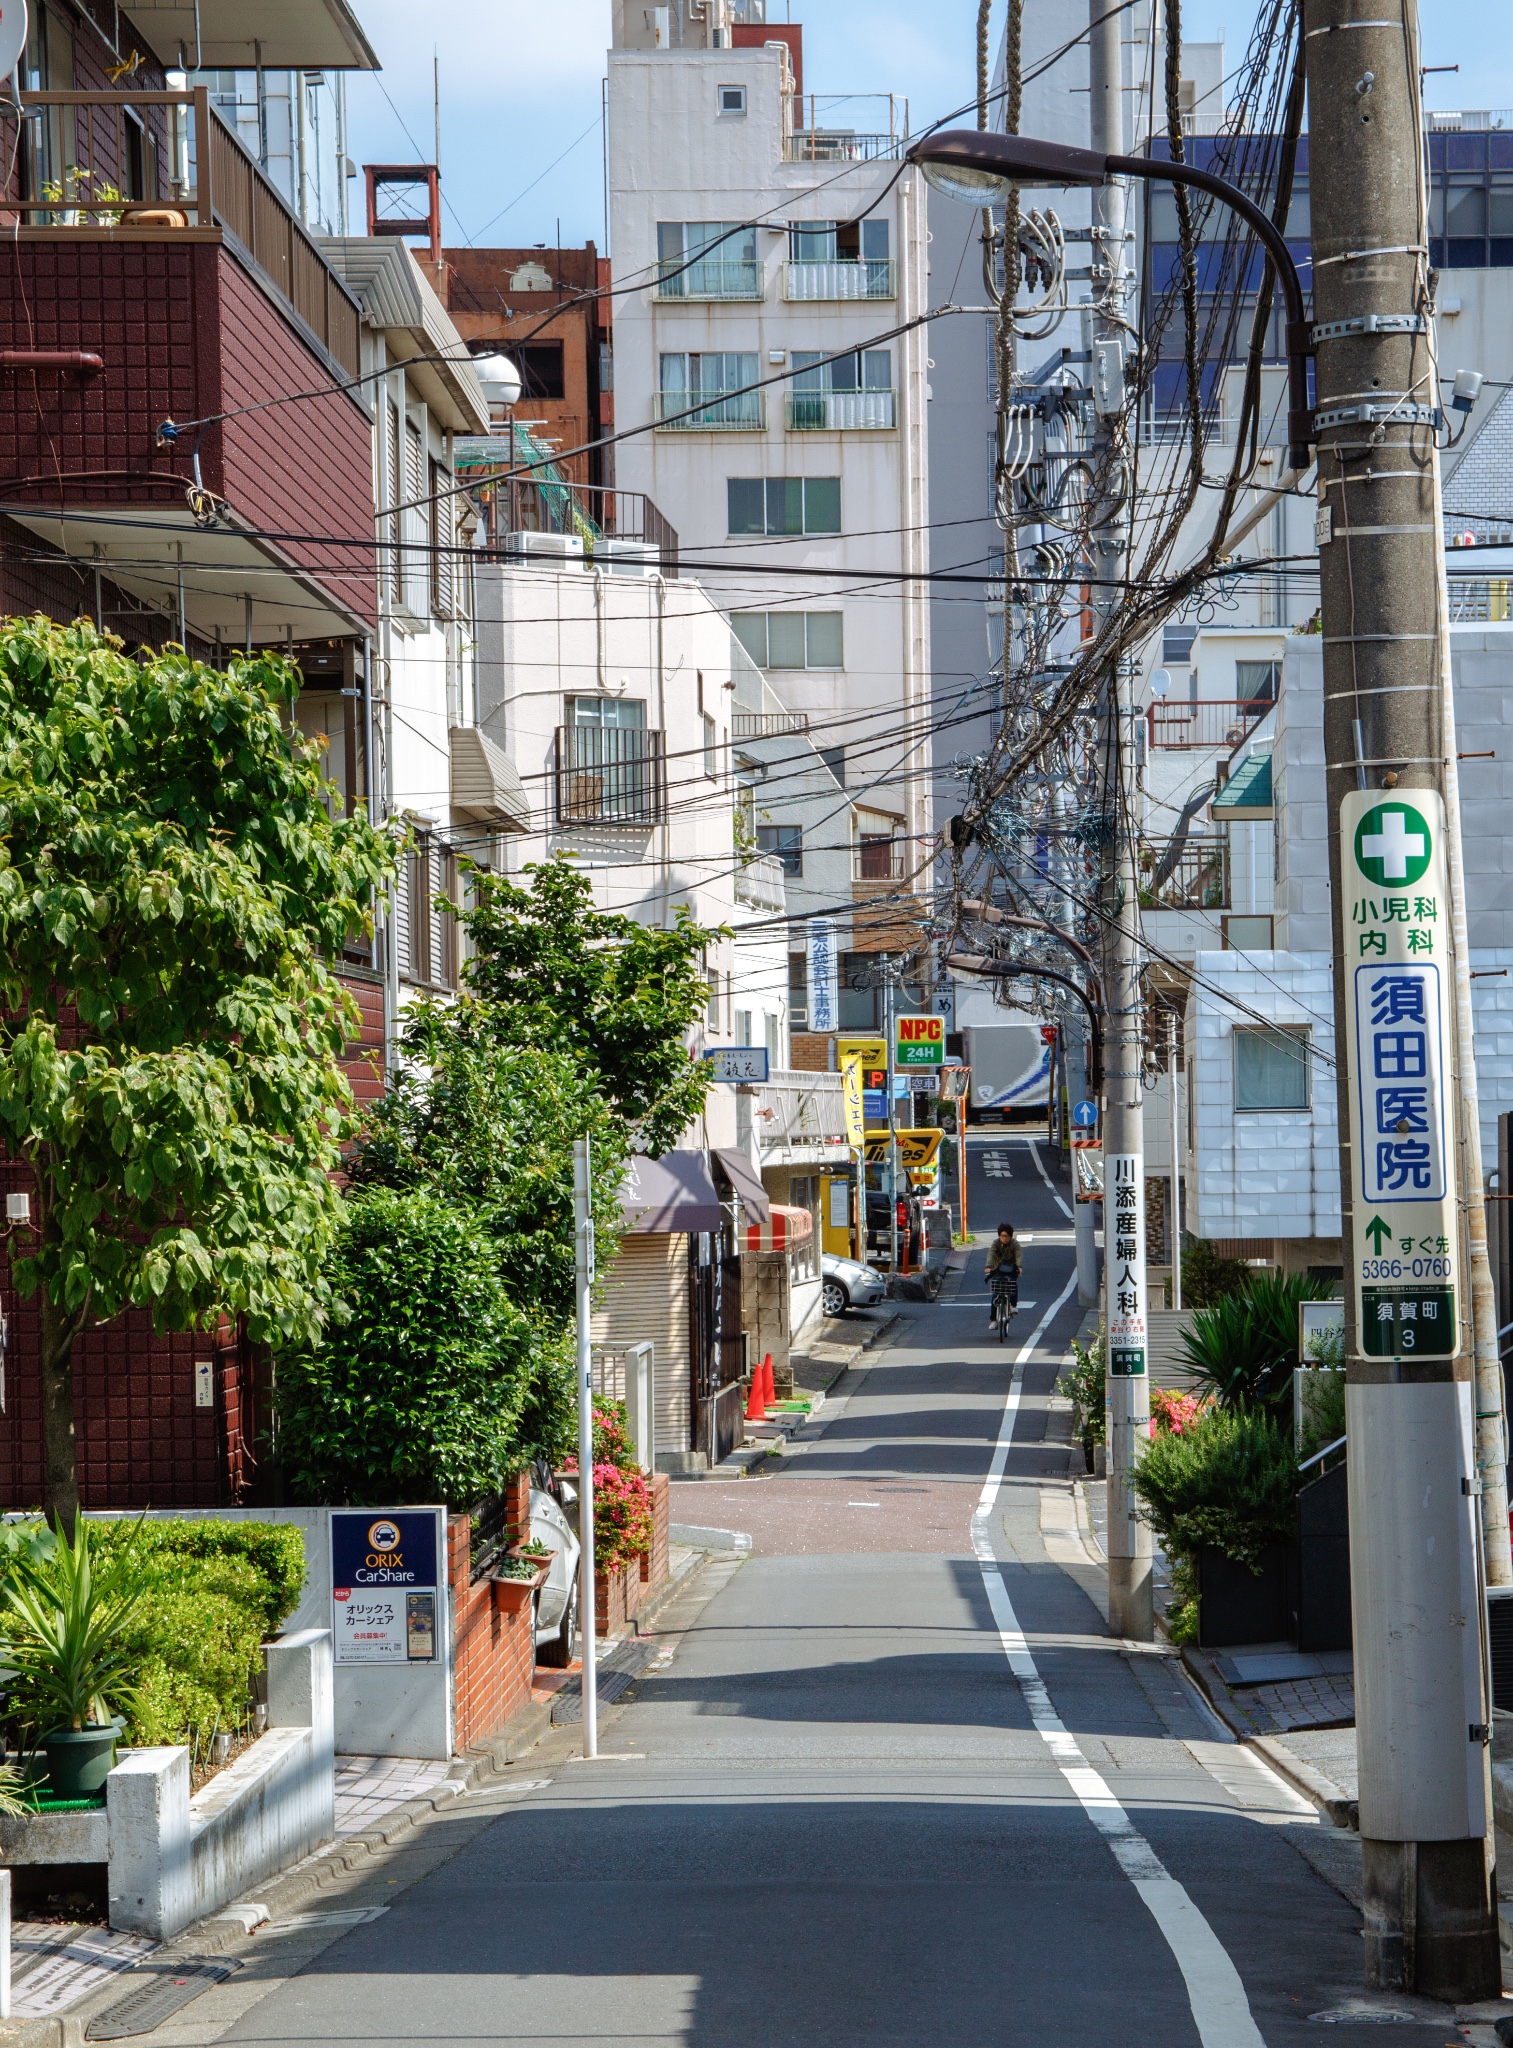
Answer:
(888, 1047)
(583, 1265)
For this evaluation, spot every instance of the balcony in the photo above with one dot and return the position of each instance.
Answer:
(713, 277)
(857, 278)
(703, 412)
(799, 1119)
(1217, 722)
(610, 775)
(1199, 881)
(837, 146)
(878, 860)
(199, 299)
(840, 412)
(1481, 600)
(759, 884)
(766, 725)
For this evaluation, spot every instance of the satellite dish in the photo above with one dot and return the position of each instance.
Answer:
(497, 374)
(1161, 682)
(12, 35)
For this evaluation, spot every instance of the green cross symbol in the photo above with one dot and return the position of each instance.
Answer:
(1392, 845)
(1380, 1233)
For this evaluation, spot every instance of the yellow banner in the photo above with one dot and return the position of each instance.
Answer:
(916, 1149)
(851, 1094)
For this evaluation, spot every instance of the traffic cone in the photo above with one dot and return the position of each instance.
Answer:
(756, 1407)
(769, 1383)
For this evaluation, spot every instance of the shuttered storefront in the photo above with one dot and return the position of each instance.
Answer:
(646, 1301)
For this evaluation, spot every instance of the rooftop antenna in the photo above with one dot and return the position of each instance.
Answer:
(436, 98)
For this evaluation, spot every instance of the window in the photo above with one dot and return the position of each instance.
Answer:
(1257, 682)
(783, 504)
(1271, 1069)
(834, 759)
(712, 1015)
(732, 99)
(771, 1029)
(686, 379)
(441, 519)
(729, 270)
(619, 712)
(1177, 645)
(850, 391)
(791, 639)
(784, 843)
(540, 367)
(743, 1027)
(829, 241)
(711, 748)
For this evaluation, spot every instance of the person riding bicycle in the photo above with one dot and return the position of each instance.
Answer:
(1003, 1258)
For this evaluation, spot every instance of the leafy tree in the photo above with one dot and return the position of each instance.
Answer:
(418, 1386)
(171, 885)
(552, 971)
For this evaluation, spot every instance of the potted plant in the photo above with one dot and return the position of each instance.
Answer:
(520, 1575)
(64, 1632)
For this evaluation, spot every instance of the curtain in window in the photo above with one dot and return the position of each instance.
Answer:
(1271, 1070)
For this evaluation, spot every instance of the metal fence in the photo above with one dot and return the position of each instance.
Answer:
(1198, 881)
(610, 775)
(1210, 722)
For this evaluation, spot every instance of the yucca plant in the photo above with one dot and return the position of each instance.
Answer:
(65, 1631)
(1242, 1349)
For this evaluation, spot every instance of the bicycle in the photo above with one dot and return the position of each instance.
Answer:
(1005, 1302)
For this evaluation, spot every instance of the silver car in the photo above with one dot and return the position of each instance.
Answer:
(557, 1602)
(846, 1283)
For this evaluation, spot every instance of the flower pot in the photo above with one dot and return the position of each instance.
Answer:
(80, 1759)
(514, 1596)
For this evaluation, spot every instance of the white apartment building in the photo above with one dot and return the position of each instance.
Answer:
(736, 201)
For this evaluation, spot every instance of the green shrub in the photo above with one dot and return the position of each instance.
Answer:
(1323, 1417)
(1206, 1277)
(1243, 1349)
(418, 1390)
(1083, 1385)
(1230, 1481)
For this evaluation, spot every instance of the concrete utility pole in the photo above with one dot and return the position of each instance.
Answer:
(1407, 1084)
(1131, 1612)
(583, 1268)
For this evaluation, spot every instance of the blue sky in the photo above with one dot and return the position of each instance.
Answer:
(520, 85)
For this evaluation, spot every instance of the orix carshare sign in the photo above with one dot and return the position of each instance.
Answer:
(383, 1585)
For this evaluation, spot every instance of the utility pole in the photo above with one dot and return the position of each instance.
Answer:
(1131, 1610)
(1174, 1215)
(583, 1268)
(1407, 1082)
(892, 1120)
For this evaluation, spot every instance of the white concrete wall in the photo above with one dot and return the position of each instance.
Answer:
(174, 1858)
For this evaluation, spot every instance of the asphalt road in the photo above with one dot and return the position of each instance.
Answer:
(894, 1784)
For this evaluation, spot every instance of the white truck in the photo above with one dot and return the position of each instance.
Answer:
(1011, 1069)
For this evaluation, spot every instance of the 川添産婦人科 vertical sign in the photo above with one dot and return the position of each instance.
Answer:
(1124, 1237)
(1397, 1045)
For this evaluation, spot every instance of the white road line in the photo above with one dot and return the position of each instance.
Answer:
(1220, 2009)
(1035, 1154)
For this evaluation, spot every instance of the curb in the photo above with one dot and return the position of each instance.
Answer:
(302, 1883)
(1325, 1794)
(693, 1537)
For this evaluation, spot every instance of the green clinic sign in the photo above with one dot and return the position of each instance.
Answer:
(919, 1042)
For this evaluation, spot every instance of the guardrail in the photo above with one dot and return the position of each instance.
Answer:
(870, 277)
(1210, 722)
(840, 412)
(1481, 600)
(714, 277)
(759, 884)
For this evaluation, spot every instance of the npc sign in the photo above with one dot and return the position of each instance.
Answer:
(1398, 1045)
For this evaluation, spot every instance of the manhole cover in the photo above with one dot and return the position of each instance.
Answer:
(1366, 2016)
(162, 1990)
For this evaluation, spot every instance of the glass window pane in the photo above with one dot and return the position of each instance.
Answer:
(822, 505)
(745, 505)
(785, 504)
(877, 367)
(824, 639)
(675, 372)
(670, 240)
(1164, 215)
(1271, 1070)
(1299, 215)
(1468, 210)
(785, 843)
(875, 238)
(750, 628)
(785, 639)
(814, 242)
(1257, 681)
(809, 378)
(1502, 210)
(845, 375)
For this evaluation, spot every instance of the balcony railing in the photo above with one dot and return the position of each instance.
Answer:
(759, 884)
(610, 775)
(837, 146)
(838, 412)
(869, 278)
(878, 860)
(1199, 881)
(714, 277)
(766, 725)
(173, 162)
(710, 410)
(800, 1117)
(1481, 600)
(1210, 722)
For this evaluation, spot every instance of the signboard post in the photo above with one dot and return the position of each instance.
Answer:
(1397, 1046)
(1124, 1226)
(919, 1043)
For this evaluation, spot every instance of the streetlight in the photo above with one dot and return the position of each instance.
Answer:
(982, 167)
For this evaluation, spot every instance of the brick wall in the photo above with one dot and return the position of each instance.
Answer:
(495, 1653)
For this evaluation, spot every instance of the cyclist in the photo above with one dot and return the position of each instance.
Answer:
(1003, 1258)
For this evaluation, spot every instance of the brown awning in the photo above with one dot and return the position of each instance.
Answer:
(675, 1192)
(746, 1182)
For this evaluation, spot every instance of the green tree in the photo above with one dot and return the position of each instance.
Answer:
(418, 1387)
(172, 883)
(552, 971)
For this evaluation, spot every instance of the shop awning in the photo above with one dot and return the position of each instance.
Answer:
(746, 1182)
(675, 1192)
(785, 1229)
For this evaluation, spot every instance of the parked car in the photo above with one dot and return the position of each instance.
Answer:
(846, 1283)
(553, 1504)
(911, 1219)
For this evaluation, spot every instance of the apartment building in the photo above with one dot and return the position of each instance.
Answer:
(740, 253)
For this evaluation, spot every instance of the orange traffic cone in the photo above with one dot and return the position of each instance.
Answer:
(756, 1406)
(769, 1383)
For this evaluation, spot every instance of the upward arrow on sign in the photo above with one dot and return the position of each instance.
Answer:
(1380, 1233)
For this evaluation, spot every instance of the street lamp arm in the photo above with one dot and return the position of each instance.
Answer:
(1021, 970)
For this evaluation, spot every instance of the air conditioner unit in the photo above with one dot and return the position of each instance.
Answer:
(628, 557)
(550, 550)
